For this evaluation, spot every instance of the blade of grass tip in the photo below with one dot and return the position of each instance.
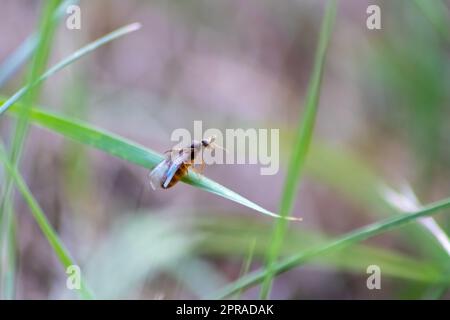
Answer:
(50, 234)
(129, 151)
(216, 188)
(70, 59)
(301, 147)
(47, 27)
(341, 242)
(13, 62)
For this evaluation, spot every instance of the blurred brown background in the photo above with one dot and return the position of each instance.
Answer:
(232, 64)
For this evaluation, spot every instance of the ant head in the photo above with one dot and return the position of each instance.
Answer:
(209, 142)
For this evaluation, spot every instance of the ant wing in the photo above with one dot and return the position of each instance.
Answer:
(158, 173)
(164, 172)
(170, 173)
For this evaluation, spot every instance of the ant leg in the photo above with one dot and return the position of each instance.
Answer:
(202, 166)
(199, 170)
(173, 150)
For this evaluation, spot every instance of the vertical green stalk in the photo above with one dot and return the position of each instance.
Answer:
(300, 150)
(38, 64)
(50, 234)
(9, 251)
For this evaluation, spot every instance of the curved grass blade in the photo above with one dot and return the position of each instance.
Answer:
(129, 151)
(301, 146)
(216, 188)
(70, 59)
(344, 241)
(58, 247)
(220, 240)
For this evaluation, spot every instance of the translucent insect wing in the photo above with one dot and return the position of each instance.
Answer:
(159, 173)
(174, 166)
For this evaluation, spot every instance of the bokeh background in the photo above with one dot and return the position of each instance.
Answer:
(383, 122)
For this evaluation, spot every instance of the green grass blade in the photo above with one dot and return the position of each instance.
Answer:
(220, 240)
(437, 13)
(301, 147)
(8, 255)
(46, 228)
(37, 66)
(216, 188)
(129, 151)
(69, 60)
(47, 27)
(344, 241)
